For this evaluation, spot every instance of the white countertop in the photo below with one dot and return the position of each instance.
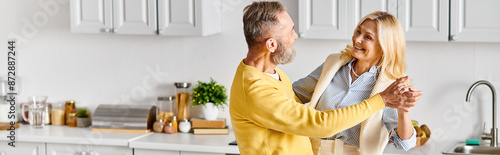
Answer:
(162, 141)
(157, 141)
(71, 135)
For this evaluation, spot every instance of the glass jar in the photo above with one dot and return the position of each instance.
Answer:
(69, 108)
(182, 94)
(165, 109)
(58, 115)
(71, 120)
(184, 126)
(169, 128)
(47, 115)
(158, 126)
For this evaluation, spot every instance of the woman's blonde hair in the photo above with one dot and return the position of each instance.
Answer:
(392, 41)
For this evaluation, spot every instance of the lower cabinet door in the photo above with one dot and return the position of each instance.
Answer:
(83, 149)
(23, 148)
(155, 152)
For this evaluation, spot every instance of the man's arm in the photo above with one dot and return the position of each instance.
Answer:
(270, 108)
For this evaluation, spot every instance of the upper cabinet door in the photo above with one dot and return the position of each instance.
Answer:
(424, 20)
(91, 16)
(323, 19)
(189, 17)
(475, 21)
(360, 8)
(134, 16)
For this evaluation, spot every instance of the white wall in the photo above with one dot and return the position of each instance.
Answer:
(98, 69)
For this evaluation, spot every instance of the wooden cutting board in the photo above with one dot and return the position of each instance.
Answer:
(5, 126)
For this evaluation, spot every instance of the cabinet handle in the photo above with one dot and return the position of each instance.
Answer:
(302, 35)
(107, 30)
(454, 37)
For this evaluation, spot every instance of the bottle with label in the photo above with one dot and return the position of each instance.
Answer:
(71, 120)
(69, 108)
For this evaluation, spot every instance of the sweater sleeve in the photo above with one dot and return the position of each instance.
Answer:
(270, 107)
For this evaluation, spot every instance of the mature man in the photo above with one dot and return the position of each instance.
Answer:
(266, 115)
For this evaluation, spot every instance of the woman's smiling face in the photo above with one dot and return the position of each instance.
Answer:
(365, 42)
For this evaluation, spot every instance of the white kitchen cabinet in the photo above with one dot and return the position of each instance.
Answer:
(336, 19)
(189, 17)
(24, 148)
(113, 16)
(360, 8)
(323, 19)
(84, 149)
(421, 20)
(475, 20)
(163, 17)
(424, 20)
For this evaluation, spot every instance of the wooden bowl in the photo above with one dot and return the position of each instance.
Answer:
(421, 141)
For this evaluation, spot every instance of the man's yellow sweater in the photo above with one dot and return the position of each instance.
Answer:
(268, 118)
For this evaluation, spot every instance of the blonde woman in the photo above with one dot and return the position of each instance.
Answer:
(374, 60)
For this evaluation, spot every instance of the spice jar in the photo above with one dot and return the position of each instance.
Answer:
(182, 99)
(58, 115)
(174, 123)
(71, 120)
(184, 126)
(165, 109)
(158, 126)
(169, 128)
(69, 108)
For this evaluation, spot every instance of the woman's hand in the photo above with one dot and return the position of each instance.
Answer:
(400, 96)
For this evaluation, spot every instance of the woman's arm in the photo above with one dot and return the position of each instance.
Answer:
(304, 87)
(394, 122)
(405, 129)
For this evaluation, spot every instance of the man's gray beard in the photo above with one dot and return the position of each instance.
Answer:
(283, 55)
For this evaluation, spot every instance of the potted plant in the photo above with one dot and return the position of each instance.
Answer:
(82, 118)
(212, 96)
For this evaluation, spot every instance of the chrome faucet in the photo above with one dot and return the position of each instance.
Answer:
(493, 136)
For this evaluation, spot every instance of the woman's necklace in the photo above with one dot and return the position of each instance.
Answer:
(355, 75)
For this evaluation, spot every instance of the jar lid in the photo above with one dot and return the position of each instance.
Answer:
(182, 84)
(185, 120)
(166, 98)
(71, 101)
(72, 114)
(174, 117)
(160, 120)
(170, 124)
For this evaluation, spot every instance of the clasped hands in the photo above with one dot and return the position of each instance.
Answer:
(401, 96)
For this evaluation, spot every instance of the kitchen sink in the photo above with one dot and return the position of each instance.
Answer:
(461, 148)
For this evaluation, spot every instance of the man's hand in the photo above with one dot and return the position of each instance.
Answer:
(400, 96)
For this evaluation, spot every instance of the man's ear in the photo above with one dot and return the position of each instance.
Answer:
(271, 44)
